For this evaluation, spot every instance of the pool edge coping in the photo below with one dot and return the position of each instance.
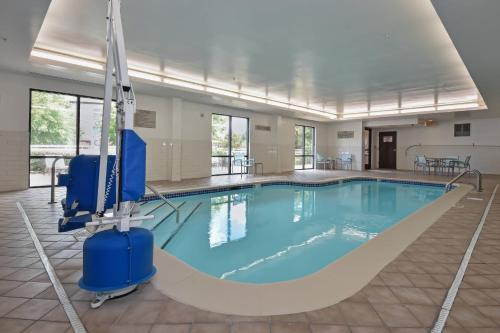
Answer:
(353, 271)
(201, 189)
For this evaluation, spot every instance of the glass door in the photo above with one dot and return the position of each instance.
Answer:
(229, 143)
(304, 147)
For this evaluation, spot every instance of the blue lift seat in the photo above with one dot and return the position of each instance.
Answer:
(82, 179)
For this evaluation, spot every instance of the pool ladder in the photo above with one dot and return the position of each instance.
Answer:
(479, 179)
(168, 202)
(176, 209)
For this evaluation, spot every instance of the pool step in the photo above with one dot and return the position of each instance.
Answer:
(167, 229)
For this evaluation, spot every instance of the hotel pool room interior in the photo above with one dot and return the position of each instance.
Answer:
(273, 166)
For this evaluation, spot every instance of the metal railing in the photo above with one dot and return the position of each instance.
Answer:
(168, 202)
(173, 234)
(475, 172)
(53, 179)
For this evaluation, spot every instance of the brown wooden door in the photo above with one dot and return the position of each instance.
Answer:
(387, 150)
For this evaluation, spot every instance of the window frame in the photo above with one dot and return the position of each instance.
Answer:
(230, 156)
(459, 130)
(304, 155)
(78, 98)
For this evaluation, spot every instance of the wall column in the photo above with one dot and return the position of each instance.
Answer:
(176, 141)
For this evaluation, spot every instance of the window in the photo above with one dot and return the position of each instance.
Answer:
(63, 126)
(229, 143)
(304, 147)
(90, 126)
(462, 129)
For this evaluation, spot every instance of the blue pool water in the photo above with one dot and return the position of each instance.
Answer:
(282, 232)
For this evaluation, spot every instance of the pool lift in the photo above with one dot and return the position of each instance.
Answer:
(102, 190)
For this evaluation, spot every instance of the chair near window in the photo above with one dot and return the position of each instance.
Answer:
(321, 160)
(345, 160)
(243, 162)
(465, 164)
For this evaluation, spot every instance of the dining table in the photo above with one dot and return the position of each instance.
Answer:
(439, 163)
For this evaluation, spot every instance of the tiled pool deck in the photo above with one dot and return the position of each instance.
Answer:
(405, 296)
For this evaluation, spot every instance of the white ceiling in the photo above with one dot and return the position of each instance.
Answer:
(20, 22)
(474, 27)
(338, 53)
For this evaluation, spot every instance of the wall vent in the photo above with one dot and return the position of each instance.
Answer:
(264, 128)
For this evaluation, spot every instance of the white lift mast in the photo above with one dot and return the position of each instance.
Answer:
(116, 65)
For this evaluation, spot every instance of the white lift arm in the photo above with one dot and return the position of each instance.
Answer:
(116, 65)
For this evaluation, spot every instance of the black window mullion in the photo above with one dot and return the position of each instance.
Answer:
(230, 144)
(303, 147)
(78, 125)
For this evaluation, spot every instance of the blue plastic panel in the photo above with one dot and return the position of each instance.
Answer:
(81, 183)
(83, 176)
(114, 260)
(133, 169)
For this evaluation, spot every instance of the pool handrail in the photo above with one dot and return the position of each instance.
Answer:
(479, 179)
(53, 178)
(168, 202)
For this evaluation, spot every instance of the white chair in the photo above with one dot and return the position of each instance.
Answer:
(462, 164)
(321, 160)
(345, 160)
(241, 161)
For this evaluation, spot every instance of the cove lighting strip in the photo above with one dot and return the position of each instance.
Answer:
(53, 56)
(198, 86)
(456, 106)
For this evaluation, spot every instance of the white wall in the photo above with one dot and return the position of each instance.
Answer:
(483, 144)
(353, 146)
(178, 148)
(274, 148)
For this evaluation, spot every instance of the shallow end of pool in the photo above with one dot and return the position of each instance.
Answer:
(324, 288)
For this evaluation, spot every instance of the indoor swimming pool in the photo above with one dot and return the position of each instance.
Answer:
(281, 231)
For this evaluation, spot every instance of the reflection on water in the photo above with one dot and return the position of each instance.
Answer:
(304, 203)
(228, 215)
(228, 218)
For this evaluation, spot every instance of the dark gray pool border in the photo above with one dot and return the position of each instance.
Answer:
(192, 192)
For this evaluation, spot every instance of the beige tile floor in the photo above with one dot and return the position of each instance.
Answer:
(404, 297)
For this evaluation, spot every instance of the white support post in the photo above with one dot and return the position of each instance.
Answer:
(106, 116)
(116, 60)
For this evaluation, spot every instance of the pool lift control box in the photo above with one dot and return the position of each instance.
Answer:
(103, 190)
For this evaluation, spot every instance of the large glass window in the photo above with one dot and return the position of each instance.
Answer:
(53, 134)
(91, 124)
(63, 126)
(229, 143)
(304, 147)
